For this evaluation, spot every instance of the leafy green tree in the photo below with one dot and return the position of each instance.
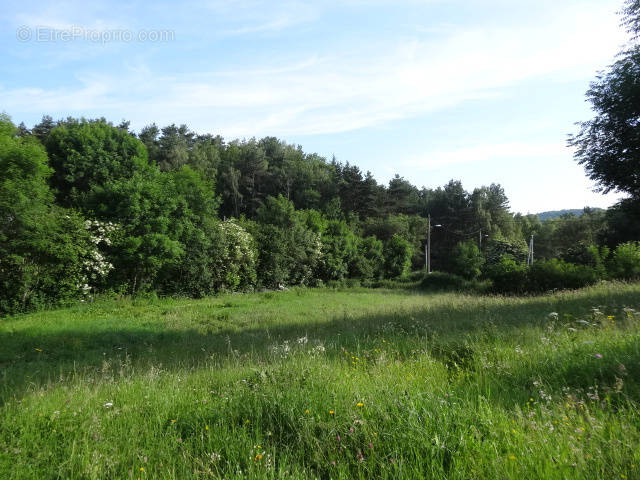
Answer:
(625, 261)
(467, 260)
(608, 145)
(289, 252)
(87, 154)
(397, 257)
(369, 262)
(42, 247)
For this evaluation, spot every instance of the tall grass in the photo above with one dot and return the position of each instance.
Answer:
(326, 384)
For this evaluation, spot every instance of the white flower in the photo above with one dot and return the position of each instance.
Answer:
(108, 405)
(553, 315)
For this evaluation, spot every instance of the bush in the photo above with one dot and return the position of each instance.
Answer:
(397, 255)
(625, 261)
(557, 274)
(508, 275)
(444, 281)
(467, 260)
(369, 261)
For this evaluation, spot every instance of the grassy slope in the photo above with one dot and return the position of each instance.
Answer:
(420, 386)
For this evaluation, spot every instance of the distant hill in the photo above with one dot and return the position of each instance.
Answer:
(558, 213)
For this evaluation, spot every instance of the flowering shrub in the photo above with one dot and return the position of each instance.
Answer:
(237, 257)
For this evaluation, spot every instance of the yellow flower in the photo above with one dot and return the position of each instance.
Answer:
(512, 457)
(622, 475)
(359, 404)
(306, 412)
(206, 427)
(174, 421)
(142, 469)
(258, 457)
(38, 349)
(331, 412)
(513, 431)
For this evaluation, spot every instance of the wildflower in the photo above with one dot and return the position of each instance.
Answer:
(359, 404)
(331, 412)
(142, 469)
(257, 458)
(306, 412)
(370, 445)
(38, 349)
(108, 405)
(598, 355)
(611, 317)
(553, 315)
(174, 421)
(512, 457)
(206, 427)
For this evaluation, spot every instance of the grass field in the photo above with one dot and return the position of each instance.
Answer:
(326, 384)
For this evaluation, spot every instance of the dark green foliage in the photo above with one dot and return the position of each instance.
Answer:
(339, 251)
(289, 252)
(397, 256)
(443, 281)
(467, 260)
(625, 261)
(622, 223)
(609, 144)
(42, 247)
(555, 274)
(508, 275)
(369, 262)
(589, 255)
(86, 155)
(497, 248)
(299, 220)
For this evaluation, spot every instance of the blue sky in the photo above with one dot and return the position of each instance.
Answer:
(479, 91)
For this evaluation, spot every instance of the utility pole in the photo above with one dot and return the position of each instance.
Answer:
(429, 246)
(530, 253)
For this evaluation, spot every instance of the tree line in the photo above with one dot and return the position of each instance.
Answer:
(88, 207)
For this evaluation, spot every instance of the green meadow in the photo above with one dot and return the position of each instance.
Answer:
(325, 383)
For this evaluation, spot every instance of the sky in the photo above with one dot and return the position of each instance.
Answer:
(482, 91)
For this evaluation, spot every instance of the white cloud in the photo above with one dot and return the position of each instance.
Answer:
(336, 92)
(516, 151)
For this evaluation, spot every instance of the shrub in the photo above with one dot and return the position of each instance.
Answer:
(508, 275)
(625, 261)
(555, 274)
(397, 256)
(467, 260)
(443, 281)
(368, 263)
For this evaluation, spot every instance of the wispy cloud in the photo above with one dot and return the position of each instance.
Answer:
(331, 92)
(485, 153)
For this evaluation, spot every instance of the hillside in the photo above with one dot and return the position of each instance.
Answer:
(558, 213)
